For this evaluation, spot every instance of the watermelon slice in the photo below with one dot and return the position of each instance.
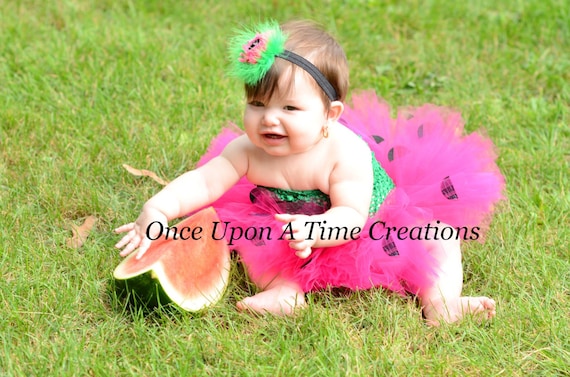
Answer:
(189, 271)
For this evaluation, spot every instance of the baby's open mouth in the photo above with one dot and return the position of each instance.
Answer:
(273, 136)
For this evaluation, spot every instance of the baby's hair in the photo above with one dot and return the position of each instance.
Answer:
(314, 44)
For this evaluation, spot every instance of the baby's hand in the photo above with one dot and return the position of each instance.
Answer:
(297, 233)
(136, 237)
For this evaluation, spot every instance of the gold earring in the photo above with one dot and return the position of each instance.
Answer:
(326, 131)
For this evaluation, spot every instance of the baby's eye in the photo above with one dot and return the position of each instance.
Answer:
(256, 103)
(291, 108)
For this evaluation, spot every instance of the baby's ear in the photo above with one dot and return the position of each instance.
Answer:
(335, 111)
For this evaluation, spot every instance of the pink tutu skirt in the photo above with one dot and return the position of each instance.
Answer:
(440, 175)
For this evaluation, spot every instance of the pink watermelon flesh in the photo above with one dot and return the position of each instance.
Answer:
(192, 274)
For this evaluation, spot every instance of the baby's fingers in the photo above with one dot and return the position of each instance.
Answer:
(132, 241)
(285, 217)
(301, 245)
(125, 240)
(145, 244)
(127, 250)
(304, 253)
(125, 228)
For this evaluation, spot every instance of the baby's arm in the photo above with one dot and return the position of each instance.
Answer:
(350, 191)
(188, 192)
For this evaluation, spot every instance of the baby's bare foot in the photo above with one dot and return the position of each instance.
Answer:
(453, 310)
(277, 300)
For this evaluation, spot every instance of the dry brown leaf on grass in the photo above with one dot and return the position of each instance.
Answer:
(80, 233)
(145, 173)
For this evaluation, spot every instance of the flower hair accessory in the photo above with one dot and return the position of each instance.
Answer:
(253, 52)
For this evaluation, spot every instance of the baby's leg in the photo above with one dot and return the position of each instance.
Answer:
(279, 296)
(443, 301)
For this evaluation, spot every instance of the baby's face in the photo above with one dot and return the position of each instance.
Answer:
(291, 121)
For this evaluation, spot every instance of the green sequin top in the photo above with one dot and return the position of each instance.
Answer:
(383, 184)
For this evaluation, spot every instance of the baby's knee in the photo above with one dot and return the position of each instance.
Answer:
(443, 240)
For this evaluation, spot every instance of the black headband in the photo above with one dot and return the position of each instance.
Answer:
(309, 67)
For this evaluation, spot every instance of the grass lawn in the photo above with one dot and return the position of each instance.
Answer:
(87, 86)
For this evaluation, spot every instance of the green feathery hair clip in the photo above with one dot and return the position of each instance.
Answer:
(253, 51)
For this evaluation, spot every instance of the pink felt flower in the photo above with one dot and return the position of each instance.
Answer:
(253, 49)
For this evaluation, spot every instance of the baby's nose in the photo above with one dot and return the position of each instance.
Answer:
(270, 118)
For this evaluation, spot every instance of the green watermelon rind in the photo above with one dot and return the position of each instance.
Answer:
(151, 287)
(195, 304)
(142, 290)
